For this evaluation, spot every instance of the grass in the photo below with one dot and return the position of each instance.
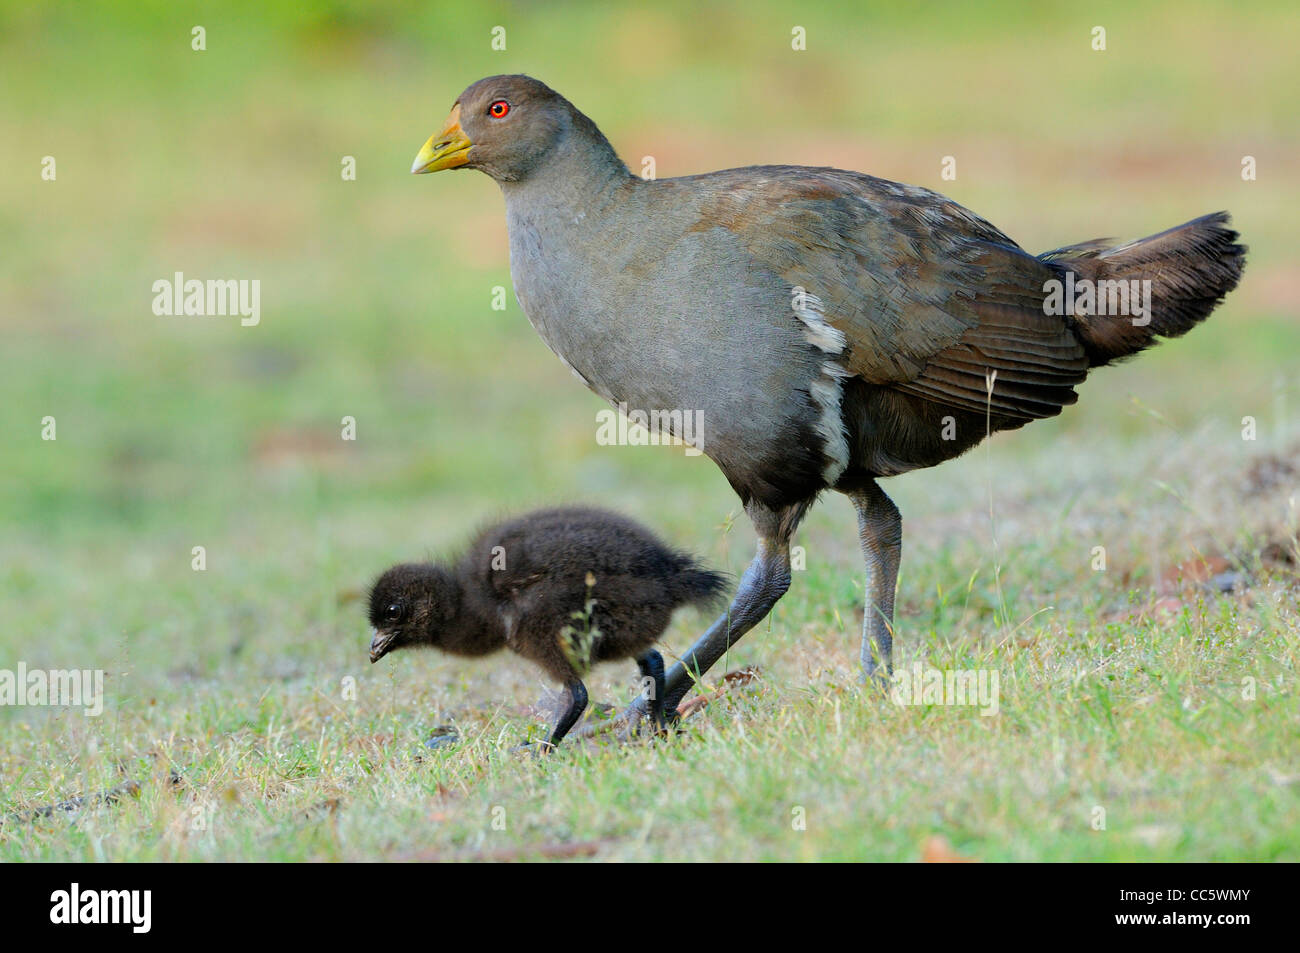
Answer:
(239, 698)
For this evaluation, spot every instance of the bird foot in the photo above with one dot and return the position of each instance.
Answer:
(635, 722)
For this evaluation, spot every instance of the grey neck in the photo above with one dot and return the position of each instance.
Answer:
(582, 172)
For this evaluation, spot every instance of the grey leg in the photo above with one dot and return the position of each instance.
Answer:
(765, 581)
(880, 528)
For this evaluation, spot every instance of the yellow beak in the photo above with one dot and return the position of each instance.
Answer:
(446, 149)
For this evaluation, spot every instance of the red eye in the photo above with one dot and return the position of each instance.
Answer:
(499, 109)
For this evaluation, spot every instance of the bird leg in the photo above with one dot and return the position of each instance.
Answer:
(880, 528)
(765, 581)
(651, 666)
(577, 693)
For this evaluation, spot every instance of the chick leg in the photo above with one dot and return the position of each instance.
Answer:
(577, 693)
(880, 528)
(651, 666)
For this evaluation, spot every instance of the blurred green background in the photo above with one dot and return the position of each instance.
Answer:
(376, 293)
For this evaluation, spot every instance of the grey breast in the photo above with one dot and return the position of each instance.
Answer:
(652, 310)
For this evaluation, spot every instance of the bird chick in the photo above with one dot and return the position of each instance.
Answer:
(565, 588)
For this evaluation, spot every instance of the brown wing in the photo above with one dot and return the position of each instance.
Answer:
(930, 297)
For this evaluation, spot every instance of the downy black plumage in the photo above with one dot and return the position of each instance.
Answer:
(565, 588)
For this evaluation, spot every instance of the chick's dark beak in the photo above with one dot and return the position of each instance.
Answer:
(379, 643)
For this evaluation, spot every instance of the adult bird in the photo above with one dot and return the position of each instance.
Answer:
(828, 328)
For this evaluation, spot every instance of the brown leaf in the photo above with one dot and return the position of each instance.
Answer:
(736, 678)
(937, 850)
(1193, 571)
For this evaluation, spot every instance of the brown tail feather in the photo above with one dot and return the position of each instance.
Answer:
(1190, 267)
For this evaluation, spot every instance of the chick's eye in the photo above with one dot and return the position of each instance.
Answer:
(393, 612)
(499, 109)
